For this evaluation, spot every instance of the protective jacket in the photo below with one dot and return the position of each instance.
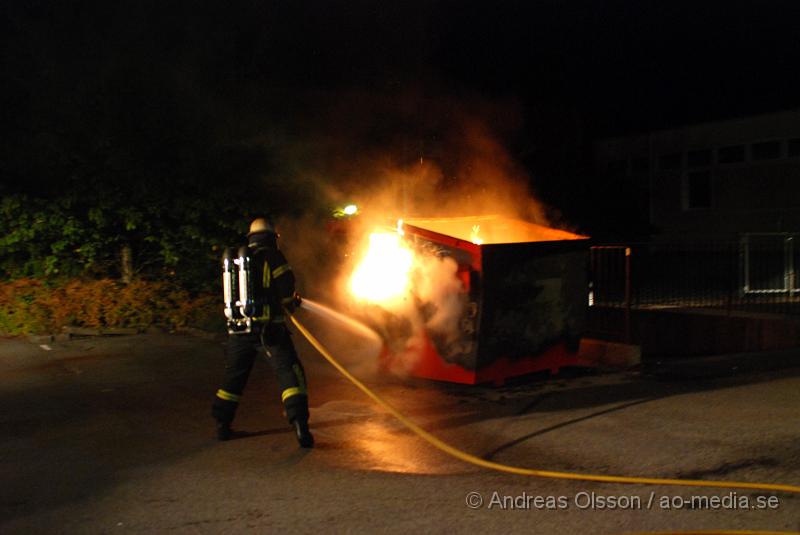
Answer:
(273, 283)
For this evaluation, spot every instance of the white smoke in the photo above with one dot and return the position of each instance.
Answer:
(430, 313)
(439, 288)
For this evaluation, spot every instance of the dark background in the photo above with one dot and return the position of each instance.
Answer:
(227, 108)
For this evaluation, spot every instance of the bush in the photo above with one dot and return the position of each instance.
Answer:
(29, 306)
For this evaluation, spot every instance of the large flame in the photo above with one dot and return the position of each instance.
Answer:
(384, 273)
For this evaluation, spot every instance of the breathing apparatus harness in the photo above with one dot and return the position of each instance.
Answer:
(237, 291)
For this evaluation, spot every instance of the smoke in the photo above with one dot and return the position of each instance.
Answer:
(467, 172)
(440, 300)
(439, 288)
(398, 158)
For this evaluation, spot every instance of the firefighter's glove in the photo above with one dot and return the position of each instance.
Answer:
(294, 304)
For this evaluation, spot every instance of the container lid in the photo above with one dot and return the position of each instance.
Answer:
(491, 229)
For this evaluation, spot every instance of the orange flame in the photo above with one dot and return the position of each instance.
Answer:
(474, 237)
(383, 275)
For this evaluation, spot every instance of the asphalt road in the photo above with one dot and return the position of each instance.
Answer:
(114, 435)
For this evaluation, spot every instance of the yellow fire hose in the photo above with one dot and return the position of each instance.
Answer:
(717, 532)
(477, 461)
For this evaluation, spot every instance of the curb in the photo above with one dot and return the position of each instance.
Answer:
(205, 335)
(69, 333)
(723, 365)
(109, 331)
(610, 355)
(48, 338)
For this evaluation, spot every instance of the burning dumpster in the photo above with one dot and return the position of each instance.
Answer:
(521, 300)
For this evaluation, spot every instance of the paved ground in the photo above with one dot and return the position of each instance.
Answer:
(113, 435)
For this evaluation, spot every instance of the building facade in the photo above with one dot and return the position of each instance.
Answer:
(712, 181)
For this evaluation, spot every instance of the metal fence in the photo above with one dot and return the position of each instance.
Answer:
(753, 275)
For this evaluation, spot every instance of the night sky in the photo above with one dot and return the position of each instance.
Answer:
(152, 75)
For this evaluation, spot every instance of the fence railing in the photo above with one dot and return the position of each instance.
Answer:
(753, 275)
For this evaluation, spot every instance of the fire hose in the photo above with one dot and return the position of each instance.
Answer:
(717, 532)
(477, 461)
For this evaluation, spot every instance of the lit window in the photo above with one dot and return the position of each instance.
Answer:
(732, 154)
(767, 150)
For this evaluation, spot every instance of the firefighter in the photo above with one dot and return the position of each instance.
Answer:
(274, 296)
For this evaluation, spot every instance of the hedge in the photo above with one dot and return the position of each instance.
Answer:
(32, 306)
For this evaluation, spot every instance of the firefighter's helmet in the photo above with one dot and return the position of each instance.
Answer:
(261, 225)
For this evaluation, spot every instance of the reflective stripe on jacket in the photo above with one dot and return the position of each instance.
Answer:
(274, 284)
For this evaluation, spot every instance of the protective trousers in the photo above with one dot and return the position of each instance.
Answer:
(241, 353)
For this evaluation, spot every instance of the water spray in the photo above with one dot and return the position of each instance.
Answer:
(352, 324)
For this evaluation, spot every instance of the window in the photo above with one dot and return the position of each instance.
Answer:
(697, 190)
(670, 161)
(767, 150)
(698, 158)
(640, 166)
(732, 154)
(618, 167)
(794, 148)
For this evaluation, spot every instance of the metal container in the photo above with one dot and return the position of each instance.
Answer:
(525, 287)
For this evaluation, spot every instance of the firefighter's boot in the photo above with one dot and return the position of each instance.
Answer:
(304, 436)
(224, 431)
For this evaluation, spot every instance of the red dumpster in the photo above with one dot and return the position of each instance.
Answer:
(526, 296)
